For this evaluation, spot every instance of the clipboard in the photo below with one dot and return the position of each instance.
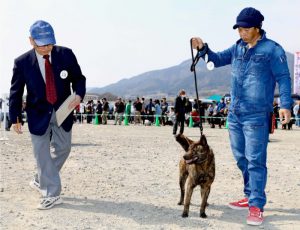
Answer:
(63, 111)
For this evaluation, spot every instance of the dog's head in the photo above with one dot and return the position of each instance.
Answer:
(196, 152)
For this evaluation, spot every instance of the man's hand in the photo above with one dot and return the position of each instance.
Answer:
(284, 116)
(197, 43)
(17, 127)
(75, 102)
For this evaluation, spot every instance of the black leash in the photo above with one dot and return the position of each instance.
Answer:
(195, 60)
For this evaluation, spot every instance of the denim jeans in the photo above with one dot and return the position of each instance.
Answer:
(249, 135)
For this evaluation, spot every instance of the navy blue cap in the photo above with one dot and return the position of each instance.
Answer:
(249, 17)
(42, 33)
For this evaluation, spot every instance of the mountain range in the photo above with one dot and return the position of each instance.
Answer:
(168, 81)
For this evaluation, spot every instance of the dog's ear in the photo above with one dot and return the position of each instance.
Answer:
(184, 141)
(203, 141)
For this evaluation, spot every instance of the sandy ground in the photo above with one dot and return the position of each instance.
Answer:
(126, 177)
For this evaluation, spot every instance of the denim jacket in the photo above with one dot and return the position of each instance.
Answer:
(255, 72)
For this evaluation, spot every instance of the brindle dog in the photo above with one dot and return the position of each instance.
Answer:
(197, 167)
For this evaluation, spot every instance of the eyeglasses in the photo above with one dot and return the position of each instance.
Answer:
(44, 46)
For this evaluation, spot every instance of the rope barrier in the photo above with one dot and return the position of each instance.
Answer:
(148, 115)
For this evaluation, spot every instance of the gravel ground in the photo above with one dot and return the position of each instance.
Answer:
(126, 177)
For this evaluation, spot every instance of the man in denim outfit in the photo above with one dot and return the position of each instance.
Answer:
(257, 64)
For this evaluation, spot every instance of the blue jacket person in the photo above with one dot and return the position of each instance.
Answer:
(258, 63)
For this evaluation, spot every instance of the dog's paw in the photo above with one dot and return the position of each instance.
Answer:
(180, 203)
(185, 215)
(203, 215)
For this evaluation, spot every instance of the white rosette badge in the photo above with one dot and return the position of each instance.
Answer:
(64, 74)
(209, 64)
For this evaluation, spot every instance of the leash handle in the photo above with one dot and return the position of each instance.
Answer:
(193, 69)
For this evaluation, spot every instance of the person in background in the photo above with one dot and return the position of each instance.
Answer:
(164, 107)
(179, 109)
(138, 110)
(171, 116)
(99, 111)
(128, 109)
(158, 111)
(195, 117)
(8, 122)
(105, 111)
(143, 112)
(119, 111)
(296, 110)
(188, 110)
(258, 63)
(221, 105)
(48, 71)
(150, 110)
(89, 111)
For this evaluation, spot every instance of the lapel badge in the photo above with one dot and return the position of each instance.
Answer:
(64, 74)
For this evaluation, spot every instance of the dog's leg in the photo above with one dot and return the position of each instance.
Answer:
(204, 195)
(182, 180)
(187, 197)
(183, 174)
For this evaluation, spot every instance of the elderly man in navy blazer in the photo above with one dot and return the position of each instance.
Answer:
(48, 72)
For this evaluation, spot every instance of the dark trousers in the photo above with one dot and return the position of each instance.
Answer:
(178, 121)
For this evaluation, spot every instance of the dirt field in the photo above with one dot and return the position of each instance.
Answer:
(126, 177)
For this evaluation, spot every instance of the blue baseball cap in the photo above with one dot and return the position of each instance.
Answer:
(42, 33)
(249, 17)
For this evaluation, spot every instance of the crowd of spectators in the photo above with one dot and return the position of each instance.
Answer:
(144, 112)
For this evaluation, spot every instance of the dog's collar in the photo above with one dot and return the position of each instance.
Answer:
(198, 162)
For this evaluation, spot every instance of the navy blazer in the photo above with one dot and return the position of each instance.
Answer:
(180, 107)
(26, 72)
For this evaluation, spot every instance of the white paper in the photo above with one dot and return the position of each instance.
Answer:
(63, 111)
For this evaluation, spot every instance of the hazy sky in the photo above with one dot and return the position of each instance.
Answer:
(116, 39)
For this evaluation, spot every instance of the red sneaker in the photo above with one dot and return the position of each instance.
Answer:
(255, 216)
(241, 204)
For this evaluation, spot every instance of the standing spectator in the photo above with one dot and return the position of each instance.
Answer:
(179, 108)
(75, 113)
(296, 110)
(158, 110)
(276, 113)
(89, 111)
(188, 110)
(138, 110)
(143, 113)
(81, 111)
(128, 109)
(258, 63)
(99, 111)
(105, 111)
(164, 107)
(47, 71)
(1, 114)
(119, 111)
(150, 109)
(7, 120)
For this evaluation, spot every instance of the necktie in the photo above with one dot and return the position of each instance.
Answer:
(50, 83)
